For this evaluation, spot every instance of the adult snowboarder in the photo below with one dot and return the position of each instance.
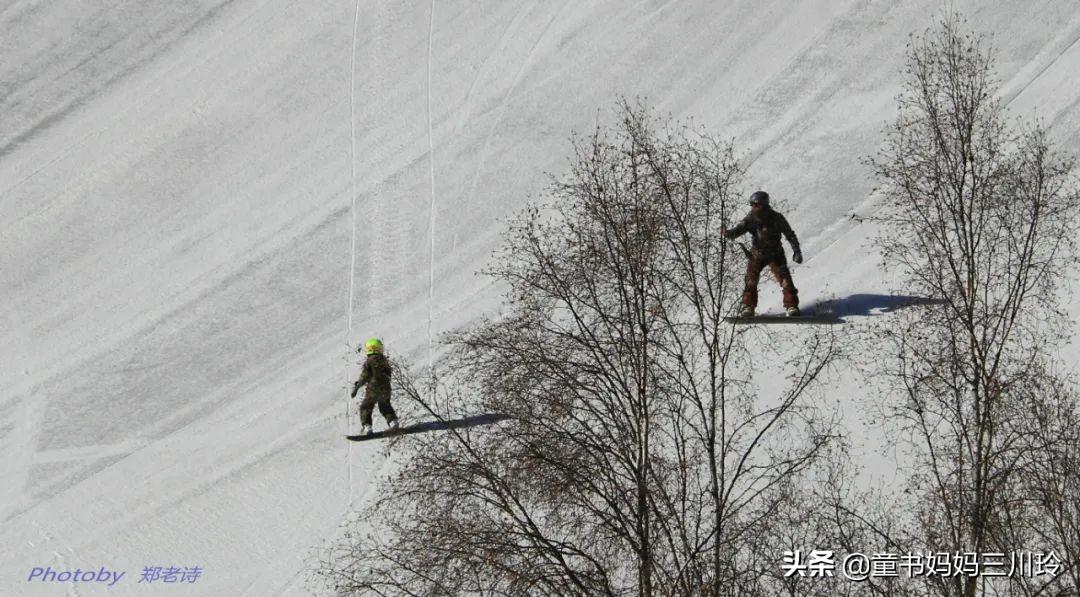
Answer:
(765, 227)
(376, 376)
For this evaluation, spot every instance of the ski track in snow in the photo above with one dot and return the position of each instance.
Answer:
(58, 116)
(431, 204)
(115, 119)
(504, 102)
(467, 103)
(1042, 71)
(352, 250)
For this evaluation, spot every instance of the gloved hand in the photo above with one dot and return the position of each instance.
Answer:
(355, 389)
(797, 256)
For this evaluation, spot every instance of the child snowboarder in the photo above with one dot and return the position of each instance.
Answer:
(376, 376)
(766, 226)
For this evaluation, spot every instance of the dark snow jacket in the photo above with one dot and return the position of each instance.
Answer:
(376, 376)
(766, 230)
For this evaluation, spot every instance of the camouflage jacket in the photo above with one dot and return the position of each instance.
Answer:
(376, 376)
(766, 230)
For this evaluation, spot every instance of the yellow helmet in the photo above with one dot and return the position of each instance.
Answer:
(373, 346)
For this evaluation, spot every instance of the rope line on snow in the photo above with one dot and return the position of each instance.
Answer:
(431, 204)
(352, 253)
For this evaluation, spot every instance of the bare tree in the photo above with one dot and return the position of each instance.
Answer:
(980, 219)
(1043, 501)
(640, 455)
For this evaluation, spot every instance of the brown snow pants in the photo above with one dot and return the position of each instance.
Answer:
(780, 272)
(367, 405)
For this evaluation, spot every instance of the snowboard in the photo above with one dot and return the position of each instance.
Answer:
(771, 318)
(376, 435)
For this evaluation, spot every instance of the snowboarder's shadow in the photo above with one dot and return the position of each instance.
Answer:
(873, 304)
(473, 421)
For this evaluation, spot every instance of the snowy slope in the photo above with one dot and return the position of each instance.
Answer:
(175, 184)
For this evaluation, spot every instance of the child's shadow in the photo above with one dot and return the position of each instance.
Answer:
(473, 421)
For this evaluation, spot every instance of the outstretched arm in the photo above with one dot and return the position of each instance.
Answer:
(740, 229)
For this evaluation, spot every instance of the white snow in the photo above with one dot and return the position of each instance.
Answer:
(174, 225)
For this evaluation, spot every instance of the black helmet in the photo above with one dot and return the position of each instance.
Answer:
(759, 198)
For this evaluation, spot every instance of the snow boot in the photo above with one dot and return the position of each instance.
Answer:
(393, 425)
(365, 430)
(793, 312)
(746, 312)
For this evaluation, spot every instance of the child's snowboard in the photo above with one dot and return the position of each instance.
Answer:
(782, 318)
